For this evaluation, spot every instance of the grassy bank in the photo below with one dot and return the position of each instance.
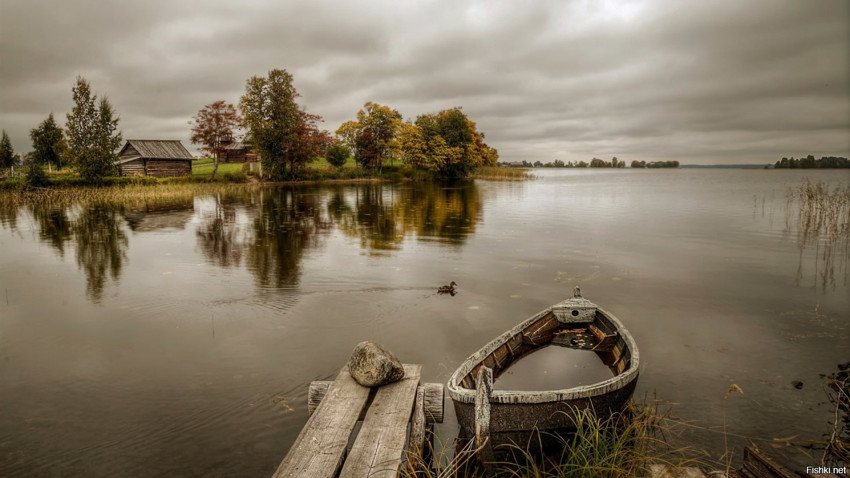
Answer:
(123, 193)
(621, 445)
(67, 185)
(502, 174)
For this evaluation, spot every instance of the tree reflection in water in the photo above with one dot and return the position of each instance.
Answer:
(101, 247)
(267, 230)
(382, 216)
(97, 233)
(219, 235)
(287, 222)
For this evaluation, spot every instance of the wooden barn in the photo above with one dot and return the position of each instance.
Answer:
(238, 152)
(150, 157)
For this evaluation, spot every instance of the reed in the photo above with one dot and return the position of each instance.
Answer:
(816, 211)
(125, 193)
(502, 174)
(619, 445)
(819, 216)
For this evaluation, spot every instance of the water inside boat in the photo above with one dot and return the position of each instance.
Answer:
(553, 368)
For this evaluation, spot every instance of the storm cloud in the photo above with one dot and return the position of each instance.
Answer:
(701, 82)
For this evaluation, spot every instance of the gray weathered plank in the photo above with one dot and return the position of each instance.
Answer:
(378, 449)
(483, 445)
(417, 424)
(434, 399)
(319, 449)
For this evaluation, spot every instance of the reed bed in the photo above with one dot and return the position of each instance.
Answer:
(815, 211)
(819, 216)
(620, 445)
(124, 194)
(502, 174)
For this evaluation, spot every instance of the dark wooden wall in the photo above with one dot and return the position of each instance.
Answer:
(163, 168)
(133, 168)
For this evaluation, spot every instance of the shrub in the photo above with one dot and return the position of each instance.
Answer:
(337, 155)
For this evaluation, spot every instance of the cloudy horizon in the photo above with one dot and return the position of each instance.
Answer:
(699, 82)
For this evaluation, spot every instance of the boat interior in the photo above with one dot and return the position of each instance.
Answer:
(571, 324)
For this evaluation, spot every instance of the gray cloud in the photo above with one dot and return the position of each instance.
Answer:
(723, 81)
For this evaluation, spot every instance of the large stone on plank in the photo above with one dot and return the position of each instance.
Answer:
(372, 365)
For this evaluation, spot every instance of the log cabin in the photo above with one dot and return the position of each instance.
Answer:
(160, 158)
(238, 152)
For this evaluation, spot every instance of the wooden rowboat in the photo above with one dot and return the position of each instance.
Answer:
(495, 417)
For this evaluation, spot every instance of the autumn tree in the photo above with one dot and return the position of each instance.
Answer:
(310, 143)
(7, 153)
(213, 128)
(285, 136)
(337, 154)
(447, 144)
(48, 143)
(373, 136)
(92, 134)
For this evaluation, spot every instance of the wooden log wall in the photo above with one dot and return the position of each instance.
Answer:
(168, 168)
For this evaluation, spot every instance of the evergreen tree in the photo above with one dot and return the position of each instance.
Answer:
(92, 136)
(48, 142)
(7, 153)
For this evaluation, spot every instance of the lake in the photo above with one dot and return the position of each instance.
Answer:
(178, 338)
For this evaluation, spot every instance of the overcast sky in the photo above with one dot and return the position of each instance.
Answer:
(721, 81)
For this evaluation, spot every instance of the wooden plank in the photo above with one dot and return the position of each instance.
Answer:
(378, 449)
(417, 426)
(762, 466)
(483, 445)
(319, 449)
(542, 330)
(434, 399)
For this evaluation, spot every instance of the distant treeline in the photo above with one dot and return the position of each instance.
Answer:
(809, 162)
(655, 164)
(594, 163)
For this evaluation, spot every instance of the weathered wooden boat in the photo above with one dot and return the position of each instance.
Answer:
(495, 417)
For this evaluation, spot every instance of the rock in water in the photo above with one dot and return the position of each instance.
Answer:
(372, 365)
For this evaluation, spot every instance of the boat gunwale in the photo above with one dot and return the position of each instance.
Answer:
(466, 395)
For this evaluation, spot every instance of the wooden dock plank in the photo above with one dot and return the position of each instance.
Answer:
(378, 449)
(319, 449)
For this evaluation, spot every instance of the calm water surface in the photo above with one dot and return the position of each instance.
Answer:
(178, 338)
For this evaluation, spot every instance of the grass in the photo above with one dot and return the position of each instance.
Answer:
(502, 174)
(203, 168)
(123, 192)
(820, 211)
(66, 185)
(620, 445)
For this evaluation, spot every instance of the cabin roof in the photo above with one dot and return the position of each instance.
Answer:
(237, 145)
(153, 148)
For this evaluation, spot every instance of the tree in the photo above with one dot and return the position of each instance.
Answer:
(337, 154)
(7, 153)
(445, 143)
(48, 142)
(373, 137)
(213, 127)
(92, 137)
(310, 142)
(282, 132)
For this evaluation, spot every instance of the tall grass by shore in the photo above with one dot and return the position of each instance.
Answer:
(819, 216)
(818, 210)
(620, 445)
(502, 174)
(118, 193)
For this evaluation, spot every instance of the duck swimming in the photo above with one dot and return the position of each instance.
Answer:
(447, 289)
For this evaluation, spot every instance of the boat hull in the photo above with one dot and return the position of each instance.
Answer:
(515, 417)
